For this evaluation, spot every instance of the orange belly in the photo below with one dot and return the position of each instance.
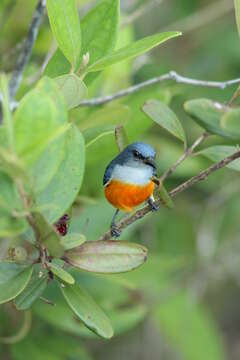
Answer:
(127, 196)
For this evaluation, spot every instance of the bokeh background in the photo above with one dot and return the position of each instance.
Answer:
(184, 302)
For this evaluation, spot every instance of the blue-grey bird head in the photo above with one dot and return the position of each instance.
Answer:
(138, 154)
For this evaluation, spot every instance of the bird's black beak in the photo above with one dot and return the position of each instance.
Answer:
(150, 161)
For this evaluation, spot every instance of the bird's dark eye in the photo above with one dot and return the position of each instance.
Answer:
(137, 154)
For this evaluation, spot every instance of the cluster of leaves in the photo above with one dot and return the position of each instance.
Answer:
(42, 161)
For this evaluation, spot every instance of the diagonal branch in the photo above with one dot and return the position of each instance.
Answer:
(188, 152)
(172, 75)
(24, 56)
(182, 187)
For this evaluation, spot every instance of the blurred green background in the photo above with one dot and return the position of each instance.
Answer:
(184, 302)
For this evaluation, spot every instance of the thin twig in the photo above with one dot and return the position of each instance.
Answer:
(24, 56)
(184, 186)
(188, 152)
(172, 75)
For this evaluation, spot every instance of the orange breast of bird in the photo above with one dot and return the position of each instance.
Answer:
(126, 196)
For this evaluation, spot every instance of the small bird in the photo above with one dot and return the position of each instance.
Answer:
(128, 180)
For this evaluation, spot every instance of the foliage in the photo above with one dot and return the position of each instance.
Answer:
(53, 218)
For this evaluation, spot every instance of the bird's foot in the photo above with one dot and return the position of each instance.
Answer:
(152, 204)
(115, 232)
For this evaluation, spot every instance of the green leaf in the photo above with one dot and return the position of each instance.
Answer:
(99, 32)
(57, 65)
(137, 48)
(107, 256)
(64, 186)
(32, 292)
(34, 130)
(72, 88)
(230, 123)
(237, 14)
(208, 114)
(99, 29)
(13, 279)
(48, 235)
(165, 198)
(72, 240)
(12, 165)
(165, 117)
(64, 21)
(61, 273)
(9, 202)
(219, 152)
(87, 310)
(182, 321)
(121, 137)
(50, 158)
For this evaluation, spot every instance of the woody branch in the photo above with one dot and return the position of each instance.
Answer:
(122, 224)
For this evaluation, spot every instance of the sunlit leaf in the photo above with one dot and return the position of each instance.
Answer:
(64, 186)
(64, 20)
(34, 130)
(72, 88)
(132, 50)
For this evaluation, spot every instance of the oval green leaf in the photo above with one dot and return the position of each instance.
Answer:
(72, 88)
(61, 273)
(73, 240)
(208, 114)
(48, 235)
(13, 280)
(99, 29)
(50, 158)
(165, 117)
(60, 193)
(64, 21)
(99, 33)
(230, 122)
(219, 152)
(165, 198)
(87, 310)
(35, 130)
(32, 292)
(121, 137)
(128, 52)
(107, 256)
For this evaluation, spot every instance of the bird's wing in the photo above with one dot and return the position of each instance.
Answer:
(108, 173)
